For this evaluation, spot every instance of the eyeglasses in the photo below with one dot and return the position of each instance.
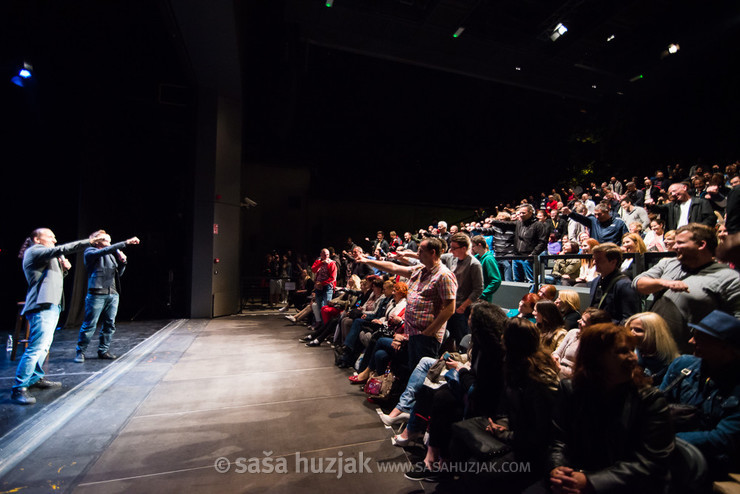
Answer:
(455, 248)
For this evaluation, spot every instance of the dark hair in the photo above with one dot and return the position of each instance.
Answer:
(595, 342)
(460, 239)
(552, 318)
(480, 240)
(596, 316)
(525, 357)
(29, 242)
(610, 250)
(486, 325)
(436, 244)
(701, 233)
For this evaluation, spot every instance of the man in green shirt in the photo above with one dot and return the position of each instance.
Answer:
(491, 273)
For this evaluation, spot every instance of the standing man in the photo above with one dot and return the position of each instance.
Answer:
(631, 213)
(491, 273)
(430, 301)
(105, 264)
(683, 209)
(530, 239)
(326, 278)
(690, 286)
(469, 276)
(44, 266)
(602, 226)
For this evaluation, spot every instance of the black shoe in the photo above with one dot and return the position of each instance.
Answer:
(45, 384)
(313, 343)
(106, 356)
(305, 339)
(344, 365)
(423, 474)
(79, 358)
(21, 396)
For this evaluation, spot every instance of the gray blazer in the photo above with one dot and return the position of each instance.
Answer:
(44, 274)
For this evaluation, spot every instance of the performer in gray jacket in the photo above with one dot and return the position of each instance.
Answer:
(105, 264)
(44, 266)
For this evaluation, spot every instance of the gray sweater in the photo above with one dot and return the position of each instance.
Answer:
(469, 274)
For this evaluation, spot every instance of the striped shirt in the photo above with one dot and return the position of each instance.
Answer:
(428, 290)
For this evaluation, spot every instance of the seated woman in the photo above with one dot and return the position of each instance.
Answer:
(526, 306)
(298, 298)
(565, 353)
(565, 271)
(631, 244)
(531, 382)
(548, 292)
(588, 269)
(612, 429)
(569, 304)
(478, 384)
(550, 323)
(656, 347)
(669, 240)
(330, 313)
(654, 236)
(351, 347)
(380, 351)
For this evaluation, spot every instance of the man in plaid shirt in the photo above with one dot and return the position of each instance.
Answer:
(430, 299)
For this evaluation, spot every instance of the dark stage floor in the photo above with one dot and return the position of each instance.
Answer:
(190, 397)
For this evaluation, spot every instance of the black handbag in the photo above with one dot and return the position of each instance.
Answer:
(481, 443)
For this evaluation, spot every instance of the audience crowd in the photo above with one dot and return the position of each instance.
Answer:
(637, 392)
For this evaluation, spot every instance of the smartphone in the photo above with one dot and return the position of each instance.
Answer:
(446, 356)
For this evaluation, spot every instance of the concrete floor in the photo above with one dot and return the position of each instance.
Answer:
(239, 393)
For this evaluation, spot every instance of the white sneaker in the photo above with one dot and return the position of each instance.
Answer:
(291, 319)
(283, 309)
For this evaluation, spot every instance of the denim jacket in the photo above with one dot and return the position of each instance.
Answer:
(718, 437)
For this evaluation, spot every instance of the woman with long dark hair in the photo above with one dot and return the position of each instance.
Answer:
(612, 429)
(550, 323)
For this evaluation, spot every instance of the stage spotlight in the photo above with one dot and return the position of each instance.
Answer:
(23, 76)
(559, 30)
(329, 3)
(458, 32)
(673, 48)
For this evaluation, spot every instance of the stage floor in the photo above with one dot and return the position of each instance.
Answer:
(234, 404)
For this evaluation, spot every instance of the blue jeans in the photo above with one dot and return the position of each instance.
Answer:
(95, 306)
(421, 346)
(408, 399)
(506, 270)
(42, 324)
(523, 271)
(382, 355)
(323, 295)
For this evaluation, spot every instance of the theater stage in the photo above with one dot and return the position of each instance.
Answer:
(190, 398)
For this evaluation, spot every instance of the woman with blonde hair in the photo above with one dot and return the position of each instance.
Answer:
(632, 243)
(655, 347)
(569, 303)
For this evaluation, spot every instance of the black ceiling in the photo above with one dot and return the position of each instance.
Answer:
(501, 35)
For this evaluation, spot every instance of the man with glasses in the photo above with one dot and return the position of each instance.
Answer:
(469, 275)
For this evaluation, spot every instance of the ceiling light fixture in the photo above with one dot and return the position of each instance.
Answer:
(559, 30)
(329, 3)
(610, 38)
(673, 48)
(458, 32)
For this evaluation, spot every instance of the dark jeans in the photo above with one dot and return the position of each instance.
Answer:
(457, 325)
(422, 346)
(95, 307)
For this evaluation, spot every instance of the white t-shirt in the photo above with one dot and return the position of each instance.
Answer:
(684, 218)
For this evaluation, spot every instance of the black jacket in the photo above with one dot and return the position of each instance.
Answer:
(700, 211)
(622, 439)
(530, 237)
(620, 302)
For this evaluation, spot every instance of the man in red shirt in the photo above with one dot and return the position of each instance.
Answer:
(326, 278)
